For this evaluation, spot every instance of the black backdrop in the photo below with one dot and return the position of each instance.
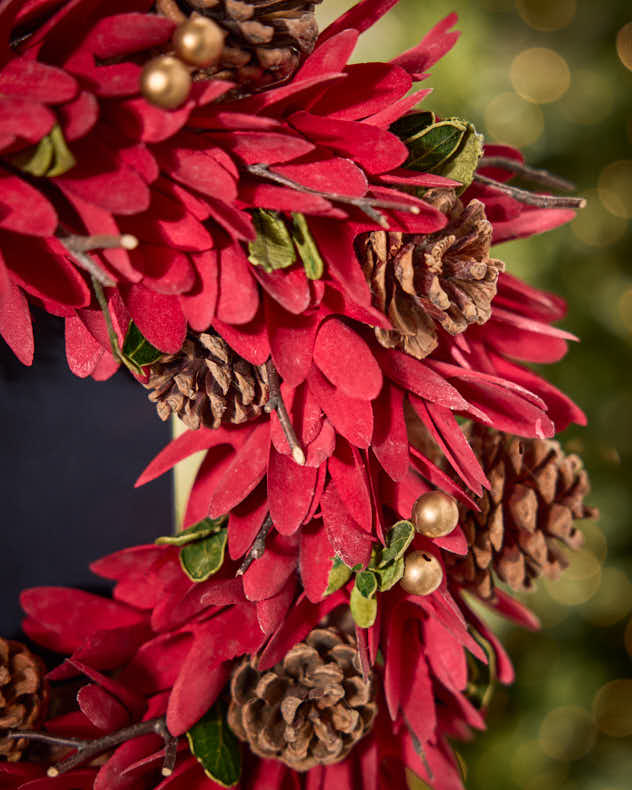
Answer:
(70, 452)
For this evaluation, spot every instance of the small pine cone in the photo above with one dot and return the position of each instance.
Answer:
(266, 40)
(207, 383)
(526, 517)
(23, 695)
(308, 710)
(444, 278)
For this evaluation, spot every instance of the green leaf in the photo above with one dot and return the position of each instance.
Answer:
(398, 540)
(339, 575)
(307, 249)
(273, 248)
(36, 159)
(208, 526)
(463, 166)
(390, 575)
(363, 610)
(64, 160)
(434, 146)
(366, 582)
(137, 350)
(410, 125)
(481, 677)
(201, 559)
(215, 747)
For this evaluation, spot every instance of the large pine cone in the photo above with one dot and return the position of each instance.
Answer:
(207, 383)
(23, 695)
(537, 493)
(308, 710)
(266, 39)
(444, 278)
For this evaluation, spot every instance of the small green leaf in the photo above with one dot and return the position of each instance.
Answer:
(398, 540)
(434, 146)
(137, 350)
(273, 248)
(339, 575)
(201, 559)
(366, 582)
(208, 526)
(463, 166)
(410, 125)
(215, 747)
(35, 159)
(307, 249)
(64, 160)
(363, 610)
(390, 575)
(481, 677)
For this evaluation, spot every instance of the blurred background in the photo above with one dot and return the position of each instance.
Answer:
(554, 78)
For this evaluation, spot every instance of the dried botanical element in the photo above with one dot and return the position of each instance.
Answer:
(23, 694)
(308, 710)
(265, 39)
(207, 384)
(537, 492)
(444, 278)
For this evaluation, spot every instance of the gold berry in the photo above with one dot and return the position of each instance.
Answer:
(165, 82)
(435, 514)
(199, 41)
(422, 573)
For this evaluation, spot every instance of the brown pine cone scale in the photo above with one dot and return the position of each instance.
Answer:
(23, 695)
(308, 710)
(208, 384)
(526, 518)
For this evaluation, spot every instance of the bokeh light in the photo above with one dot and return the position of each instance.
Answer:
(540, 75)
(567, 733)
(511, 120)
(612, 601)
(579, 582)
(624, 45)
(545, 15)
(615, 188)
(612, 708)
(597, 227)
(590, 98)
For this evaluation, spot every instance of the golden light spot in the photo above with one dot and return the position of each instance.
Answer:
(625, 309)
(612, 708)
(546, 15)
(540, 75)
(624, 45)
(594, 538)
(590, 98)
(613, 600)
(579, 582)
(595, 226)
(567, 733)
(615, 188)
(511, 120)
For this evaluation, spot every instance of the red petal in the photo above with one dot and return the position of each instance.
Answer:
(23, 209)
(394, 111)
(329, 56)
(103, 710)
(79, 116)
(290, 288)
(214, 464)
(372, 148)
(349, 477)
(238, 296)
(166, 271)
(157, 663)
(217, 591)
(418, 701)
(455, 542)
(508, 607)
(271, 612)
(267, 575)
(321, 448)
(262, 147)
(414, 178)
(531, 221)
(30, 79)
(523, 344)
(347, 361)
(124, 34)
(159, 317)
(25, 118)
(83, 352)
(390, 437)
(265, 195)
(245, 521)
(140, 120)
(315, 556)
(335, 244)
(401, 496)
(291, 342)
(326, 174)
(439, 479)
(15, 322)
(198, 305)
(349, 541)
(249, 340)
(445, 655)
(430, 49)
(351, 417)
(360, 17)
(290, 491)
(197, 169)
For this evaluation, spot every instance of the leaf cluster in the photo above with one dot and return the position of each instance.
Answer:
(48, 158)
(202, 547)
(277, 243)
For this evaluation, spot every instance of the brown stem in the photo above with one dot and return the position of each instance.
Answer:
(368, 205)
(100, 241)
(258, 546)
(103, 304)
(530, 198)
(534, 174)
(87, 750)
(276, 403)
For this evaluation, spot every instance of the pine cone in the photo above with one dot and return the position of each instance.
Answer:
(207, 383)
(266, 39)
(308, 710)
(536, 494)
(23, 695)
(444, 278)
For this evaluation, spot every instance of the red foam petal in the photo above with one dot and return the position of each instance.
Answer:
(430, 49)
(83, 352)
(361, 17)
(158, 316)
(291, 342)
(271, 612)
(290, 491)
(262, 147)
(351, 417)
(102, 709)
(22, 117)
(349, 541)
(347, 361)
(249, 340)
(315, 559)
(329, 56)
(390, 437)
(238, 295)
(23, 209)
(267, 575)
(349, 477)
(30, 79)
(289, 287)
(15, 322)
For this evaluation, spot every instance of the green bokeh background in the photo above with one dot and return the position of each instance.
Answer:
(561, 726)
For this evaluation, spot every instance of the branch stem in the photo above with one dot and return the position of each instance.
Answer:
(530, 198)
(105, 309)
(258, 546)
(276, 403)
(368, 205)
(536, 175)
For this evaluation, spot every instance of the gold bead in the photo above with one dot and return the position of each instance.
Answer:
(435, 514)
(199, 41)
(422, 573)
(165, 82)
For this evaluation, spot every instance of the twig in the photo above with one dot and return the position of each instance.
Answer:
(86, 750)
(368, 205)
(536, 175)
(531, 198)
(100, 241)
(276, 403)
(258, 546)
(103, 304)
